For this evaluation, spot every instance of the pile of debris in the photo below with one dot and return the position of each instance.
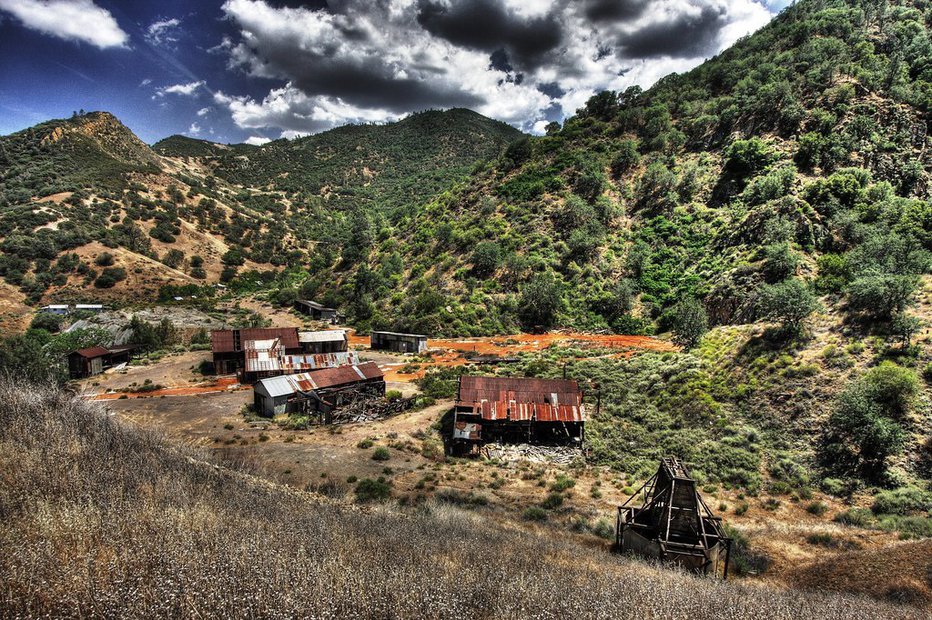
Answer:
(369, 409)
(558, 455)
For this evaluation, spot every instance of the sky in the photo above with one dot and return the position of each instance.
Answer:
(256, 70)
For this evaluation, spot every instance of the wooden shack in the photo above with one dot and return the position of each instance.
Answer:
(328, 341)
(316, 311)
(518, 410)
(94, 360)
(398, 342)
(319, 391)
(673, 524)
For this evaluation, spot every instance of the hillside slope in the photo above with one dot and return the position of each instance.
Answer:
(206, 210)
(120, 523)
(800, 151)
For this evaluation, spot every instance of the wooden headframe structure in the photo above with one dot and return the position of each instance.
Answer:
(674, 524)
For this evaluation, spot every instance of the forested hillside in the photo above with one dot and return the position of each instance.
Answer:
(84, 193)
(799, 155)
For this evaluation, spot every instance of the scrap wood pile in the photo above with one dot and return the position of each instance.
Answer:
(368, 409)
(561, 455)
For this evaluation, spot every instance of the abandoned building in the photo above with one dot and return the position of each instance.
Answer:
(228, 345)
(518, 410)
(59, 309)
(94, 360)
(330, 341)
(399, 343)
(267, 358)
(674, 524)
(316, 311)
(319, 392)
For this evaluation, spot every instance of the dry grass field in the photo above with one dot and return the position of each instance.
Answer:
(98, 519)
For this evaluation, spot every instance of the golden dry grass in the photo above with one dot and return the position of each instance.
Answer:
(102, 520)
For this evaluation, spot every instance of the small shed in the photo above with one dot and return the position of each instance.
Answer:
(398, 342)
(329, 341)
(88, 308)
(59, 309)
(674, 524)
(319, 391)
(316, 311)
(87, 362)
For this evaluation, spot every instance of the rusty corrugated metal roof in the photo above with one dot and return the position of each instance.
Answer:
(516, 399)
(91, 352)
(328, 377)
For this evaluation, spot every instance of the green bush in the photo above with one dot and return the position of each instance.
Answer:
(535, 513)
(552, 501)
(381, 454)
(903, 501)
(368, 490)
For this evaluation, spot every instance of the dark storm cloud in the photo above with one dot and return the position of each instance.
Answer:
(372, 60)
(613, 10)
(685, 36)
(488, 26)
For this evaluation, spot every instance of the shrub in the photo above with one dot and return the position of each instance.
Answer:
(368, 490)
(535, 513)
(393, 395)
(365, 444)
(381, 454)
(562, 483)
(104, 259)
(902, 501)
(553, 501)
(789, 302)
(817, 508)
(109, 277)
(689, 322)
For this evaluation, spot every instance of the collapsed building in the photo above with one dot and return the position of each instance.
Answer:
(268, 358)
(674, 524)
(94, 360)
(398, 342)
(319, 392)
(517, 410)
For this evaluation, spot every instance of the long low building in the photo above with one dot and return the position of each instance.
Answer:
(328, 341)
(317, 392)
(518, 409)
(398, 342)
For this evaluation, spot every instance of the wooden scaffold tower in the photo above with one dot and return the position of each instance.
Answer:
(674, 524)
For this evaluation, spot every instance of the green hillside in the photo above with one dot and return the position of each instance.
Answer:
(801, 152)
(377, 167)
(91, 150)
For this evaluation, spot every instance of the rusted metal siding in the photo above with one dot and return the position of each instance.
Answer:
(231, 340)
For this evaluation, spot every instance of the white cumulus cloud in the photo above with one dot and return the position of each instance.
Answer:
(73, 20)
(185, 90)
(257, 140)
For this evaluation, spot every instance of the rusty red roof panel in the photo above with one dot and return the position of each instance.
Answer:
(91, 352)
(522, 400)
(342, 375)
